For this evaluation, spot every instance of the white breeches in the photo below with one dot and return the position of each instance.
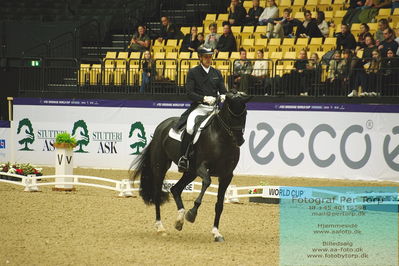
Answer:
(202, 109)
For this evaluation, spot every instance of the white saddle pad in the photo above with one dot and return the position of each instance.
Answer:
(178, 135)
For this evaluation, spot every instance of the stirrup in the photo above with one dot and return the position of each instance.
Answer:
(183, 164)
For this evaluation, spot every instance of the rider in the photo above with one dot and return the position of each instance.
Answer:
(204, 83)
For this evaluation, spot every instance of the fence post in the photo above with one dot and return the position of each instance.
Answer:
(125, 186)
(30, 183)
(231, 194)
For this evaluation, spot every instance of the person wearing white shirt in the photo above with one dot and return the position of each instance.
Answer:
(269, 13)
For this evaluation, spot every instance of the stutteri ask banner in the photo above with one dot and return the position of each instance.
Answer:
(310, 140)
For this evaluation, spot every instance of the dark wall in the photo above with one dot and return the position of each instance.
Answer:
(20, 36)
(8, 87)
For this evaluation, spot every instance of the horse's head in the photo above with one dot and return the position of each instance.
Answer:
(236, 101)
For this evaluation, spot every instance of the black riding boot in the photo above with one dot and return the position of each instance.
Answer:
(184, 164)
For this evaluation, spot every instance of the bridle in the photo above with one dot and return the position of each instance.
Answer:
(230, 129)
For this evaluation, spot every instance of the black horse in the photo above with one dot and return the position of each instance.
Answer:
(216, 154)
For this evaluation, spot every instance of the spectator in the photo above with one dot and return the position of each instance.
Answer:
(369, 47)
(190, 41)
(334, 76)
(252, 18)
(379, 35)
(352, 66)
(372, 71)
(364, 32)
(260, 72)
(314, 72)
(300, 74)
(322, 24)
(227, 42)
(309, 27)
(388, 42)
(269, 13)
(201, 39)
(353, 4)
(168, 30)
(283, 26)
(242, 70)
(148, 67)
(237, 13)
(390, 74)
(345, 39)
(140, 41)
(211, 40)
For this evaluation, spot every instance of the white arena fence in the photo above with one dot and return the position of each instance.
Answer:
(126, 187)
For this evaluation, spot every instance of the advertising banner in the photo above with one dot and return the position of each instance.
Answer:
(304, 140)
(5, 141)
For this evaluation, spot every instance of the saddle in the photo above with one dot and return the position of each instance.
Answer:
(201, 122)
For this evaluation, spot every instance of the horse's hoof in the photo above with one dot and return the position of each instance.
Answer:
(179, 225)
(190, 216)
(219, 239)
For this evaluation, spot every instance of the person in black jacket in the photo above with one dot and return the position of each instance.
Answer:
(190, 41)
(168, 30)
(309, 27)
(204, 84)
(227, 42)
(237, 13)
(252, 18)
(345, 39)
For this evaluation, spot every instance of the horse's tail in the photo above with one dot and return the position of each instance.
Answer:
(149, 191)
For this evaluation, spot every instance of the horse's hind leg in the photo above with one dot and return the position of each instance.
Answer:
(224, 182)
(206, 182)
(159, 172)
(176, 191)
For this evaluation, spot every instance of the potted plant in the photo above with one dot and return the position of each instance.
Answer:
(64, 143)
(65, 140)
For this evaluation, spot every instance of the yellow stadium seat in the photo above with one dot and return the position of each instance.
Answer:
(171, 55)
(95, 74)
(288, 44)
(111, 55)
(312, 5)
(185, 30)
(290, 55)
(135, 55)
(299, 15)
(134, 77)
(325, 5)
(234, 56)
(236, 30)
(184, 55)
(247, 4)
(120, 68)
(223, 55)
(340, 13)
(260, 44)
(109, 66)
(251, 55)
(285, 3)
(355, 27)
(274, 45)
(248, 44)
(329, 44)
(223, 17)
(384, 13)
(211, 17)
(260, 30)
(315, 44)
(200, 29)
(84, 74)
(247, 32)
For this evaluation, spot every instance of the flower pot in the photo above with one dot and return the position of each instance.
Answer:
(64, 166)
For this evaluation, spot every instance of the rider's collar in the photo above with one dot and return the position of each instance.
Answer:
(206, 69)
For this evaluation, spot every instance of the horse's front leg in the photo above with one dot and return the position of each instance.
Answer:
(224, 182)
(202, 171)
(176, 191)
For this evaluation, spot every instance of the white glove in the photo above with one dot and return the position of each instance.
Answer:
(209, 100)
(222, 98)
